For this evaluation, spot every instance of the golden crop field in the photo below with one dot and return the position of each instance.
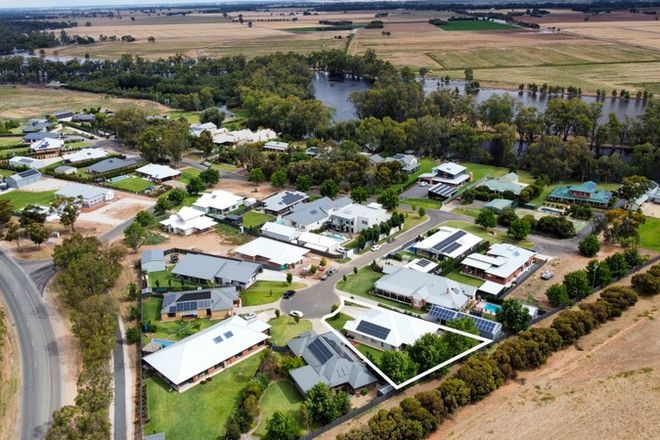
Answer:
(639, 33)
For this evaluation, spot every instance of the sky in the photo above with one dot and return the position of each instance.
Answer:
(68, 3)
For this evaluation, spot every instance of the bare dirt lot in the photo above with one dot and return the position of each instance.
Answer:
(122, 208)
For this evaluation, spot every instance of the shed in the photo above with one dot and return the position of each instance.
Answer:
(24, 178)
(498, 205)
(66, 169)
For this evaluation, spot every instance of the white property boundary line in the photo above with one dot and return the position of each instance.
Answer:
(483, 342)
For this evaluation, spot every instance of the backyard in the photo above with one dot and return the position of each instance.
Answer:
(465, 279)
(649, 235)
(132, 184)
(172, 330)
(373, 354)
(164, 278)
(279, 396)
(264, 292)
(253, 218)
(201, 412)
(284, 328)
(20, 199)
(494, 236)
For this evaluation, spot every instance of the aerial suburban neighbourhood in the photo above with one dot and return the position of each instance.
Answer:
(329, 220)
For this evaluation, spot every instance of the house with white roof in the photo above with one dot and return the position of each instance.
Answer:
(319, 243)
(388, 330)
(276, 146)
(158, 173)
(418, 289)
(47, 145)
(208, 352)
(274, 253)
(445, 178)
(499, 185)
(279, 231)
(355, 217)
(245, 136)
(314, 215)
(409, 162)
(88, 196)
(23, 161)
(152, 260)
(188, 221)
(282, 202)
(502, 264)
(422, 265)
(218, 202)
(84, 154)
(447, 242)
(197, 129)
(221, 271)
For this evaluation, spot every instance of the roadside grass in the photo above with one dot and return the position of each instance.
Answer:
(474, 25)
(133, 184)
(264, 292)
(373, 354)
(11, 141)
(20, 199)
(548, 189)
(252, 218)
(284, 328)
(649, 234)
(422, 203)
(411, 220)
(462, 278)
(494, 236)
(337, 322)
(188, 173)
(225, 167)
(472, 212)
(201, 412)
(280, 396)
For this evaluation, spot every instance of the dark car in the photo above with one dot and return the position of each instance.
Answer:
(174, 258)
(288, 294)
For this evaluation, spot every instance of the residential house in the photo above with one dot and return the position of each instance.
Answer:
(280, 232)
(208, 303)
(445, 178)
(245, 136)
(276, 254)
(508, 182)
(499, 205)
(355, 217)
(40, 135)
(329, 361)
(158, 173)
(112, 164)
(66, 169)
(208, 352)
(282, 202)
(188, 221)
(419, 289)
(375, 159)
(585, 193)
(487, 327)
(388, 330)
(62, 116)
(24, 178)
(197, 129)
(278, 147)
(502, 264)
(314, 215)
(90, 197)
(219, 202)
(152, 260)
(47, 145)
(23, 161)
(85, 154)
(319, 243)
(203, 269)
(35, 125)
(84, 117)
(447, 242)
(422, 265)
(409, 162)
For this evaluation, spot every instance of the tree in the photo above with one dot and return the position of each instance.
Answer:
(325, 405)
(282, 426)
(195, 186)
(617, 265)
(68, 209)
(204, 143)
(135, 235)
(303, 183)
(421, 211)
(177, 196)
(589, 246)
(359, 194)
(289, 278)
(622, 226)
(633, 187)
(313, 268)
(389, 199)
(37, 232)
(459, 343)
(6, 210)
(210, 176)
(31, 214)
(213, 115)
(278, 179)
(329, 188)
(519, 229)
(13, 233)
(144, 218)
(323, 262)
(558, 296)
(513, 316)
(256, 176)
(486, 218)
(497, 109)
(454, 393)
(598, 274)
(133, 335)
(507, 216)
(398, 365)
(577, 284)
(646, 284)
(429, 351)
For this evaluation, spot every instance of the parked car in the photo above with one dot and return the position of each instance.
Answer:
(324, 276)
(174, 258)
(332, 271)
(288, 294)
(546, 275)
(297, 313)
(423, 184)
(391, 239)
(375, 247)
(249, 316)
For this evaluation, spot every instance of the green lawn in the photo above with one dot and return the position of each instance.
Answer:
(172, 330)
(77, 145)
(10, 152)
(360, 283)
(462, 278)
(200, 413)
(337, 322)
(133, 184)
(20, 199)
(6, 173)
(191, 117)
(188, 174)
(480, 170)
(264, 292)
(225, 167)
(279, 396)
(493, 236)
(426, 203)
(649, 234)
(163, 278)
(474, 25)
(11, 141)
(284, 328)
(425, 166)
(372, 354)
(253, 218)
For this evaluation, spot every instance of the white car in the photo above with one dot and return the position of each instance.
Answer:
(295, 313)
(423, 184)
(547, 275)
(375, 247)
(250, 316)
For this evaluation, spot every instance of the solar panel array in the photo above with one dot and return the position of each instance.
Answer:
(229, 334)
(449, 242)
(372, 329)
(184, 306)
(290, 198)
(442, 190)
(423, 263)
(485, 326)
(202, 294)
(28, 173)
(320, 351)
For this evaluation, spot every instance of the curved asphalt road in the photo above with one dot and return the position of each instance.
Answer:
(40, 362)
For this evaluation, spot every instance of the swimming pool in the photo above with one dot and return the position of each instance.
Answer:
(491, 308)
(337, 237)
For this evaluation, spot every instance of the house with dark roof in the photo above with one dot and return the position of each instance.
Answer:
(84, 117)
(62, 115)
(111, 164)
(409, 162)
(314, 215)
(328, 361)
(40, 135)
(152, 260)
(282, 202)
(447, 242)
(208, 303)
(35, 125)
(24, 178)
(585, 193)
(200, 268)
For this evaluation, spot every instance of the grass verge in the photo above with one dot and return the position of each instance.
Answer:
(284, 328)
(264, 292)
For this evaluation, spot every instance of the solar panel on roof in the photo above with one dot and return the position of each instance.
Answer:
(28, 173)
(372, 329)
(442, 314)
(449, 240)
(320, 351)
(229, 334)
(186, 306)
(217, 339)
(451, 248)
(423, 263)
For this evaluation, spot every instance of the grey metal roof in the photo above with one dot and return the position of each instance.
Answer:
(308, 213)
(25, 175)
(284, 200)
(159, 436)
(84, 117)
(111, 164)
(206, 267)
(213, 299)
(79, 190)
(151, 255)
(40, 135)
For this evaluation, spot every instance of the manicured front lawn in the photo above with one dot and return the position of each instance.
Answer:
(649, 234)
(462, 278)
(493, 236)
(20, 199)
(133, 184)
(172, 330)
(360, 283)
(188, 174)
(253, 218)
(284, 328)
(337, 322)
(279, 396)
(374, 355)
(264, 292)
(200, 413)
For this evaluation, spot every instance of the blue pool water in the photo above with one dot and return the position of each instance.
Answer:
(491, 308)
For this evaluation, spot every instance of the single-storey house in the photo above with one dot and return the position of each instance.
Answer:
(274, 253)
(112, 164)
(84, 117)
(208, 303)
(218, 202)
(447, 242)
(583, 194)
(85, 154)
(90, 197)
(23, 161)
(419, 289)
(208, 352)
(197, 129)
(276, 146)
(319, 243)
(245, 136)
(152, 260)
(220, 271)
(355, 217)
(329, 361)
(422, 265)
(502, 264)
(388, 330)
(24, 178)
(188, 221)
(280, 232)
(409, 162)
(499, 185)
(63, 115)
(282, 202)
(47, 145)
(375, 159)
(499, 205)
(66, 169)
(39, 136)
(35, 125)
(314, 215)
(158, 173)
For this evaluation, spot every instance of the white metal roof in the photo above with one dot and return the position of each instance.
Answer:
(218, 199)
(86, 192)
(501, 260)
(212, 346)
(85, 154)
(451, 168)
(491, 288)
(289, 232)
(276, 252)
(404, 329)
(422, 265)
(158, 172)
(189, 218)
(47, 144)
(466, 242)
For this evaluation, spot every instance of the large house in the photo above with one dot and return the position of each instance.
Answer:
(583, 194)
(208, 352)
(111, 164)
(23, 161)
(245, 136)
(355, 217)
(499, 185)
(24, 178)
(39, 136)
(90, 197)
(314, 215)
(85, 154)
(388, 330)
(204, 269)
(419, 289)
(328, 361)
(36, 125)
(274, 253)
(289, 234)
(158, 173)
(282, 202)
(276, 146)
(219, 202)
(187, 221)
(197, 129)
(445, 178)
(502, 264)
(47, 145)
(447, 242)
(208, 303)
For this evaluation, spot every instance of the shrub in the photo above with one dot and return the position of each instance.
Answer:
(589, 246)
(507, 216)
(454, 393)
(558, 227)
(482, 375)
(619, 297)
(558, 296)
(577, 284)
(572, 324)
(133, 335)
